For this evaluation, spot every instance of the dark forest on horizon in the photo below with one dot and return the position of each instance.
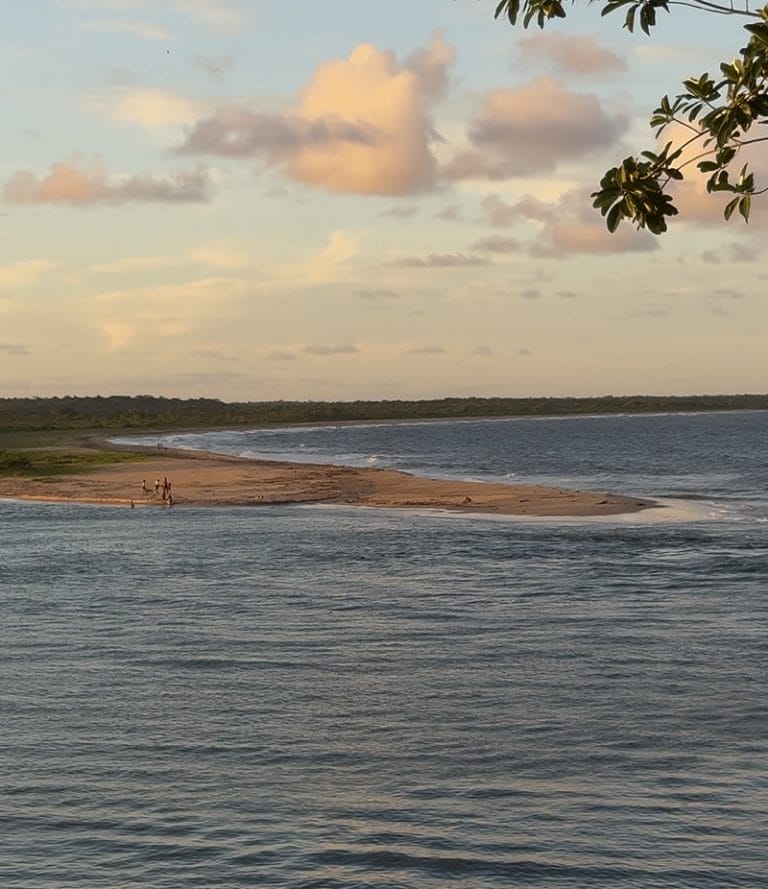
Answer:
(155, 412)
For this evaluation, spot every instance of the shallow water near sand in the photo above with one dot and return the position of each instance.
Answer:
(337, 697)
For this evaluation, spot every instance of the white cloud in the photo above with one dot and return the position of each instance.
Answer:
(221, 15)
(151, 108)
(143, 30)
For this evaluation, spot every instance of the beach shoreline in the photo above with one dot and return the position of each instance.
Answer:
(201, 478)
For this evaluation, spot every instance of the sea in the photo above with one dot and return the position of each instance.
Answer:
(329, 697)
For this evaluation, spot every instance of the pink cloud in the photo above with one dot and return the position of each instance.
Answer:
(570, 225)
(703, 209)
(564, 238)
(362, 125)
(83, 183)
(566, 226)
(532, 129)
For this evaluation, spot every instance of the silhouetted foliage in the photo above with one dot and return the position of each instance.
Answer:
(147, 412)
(714, 115)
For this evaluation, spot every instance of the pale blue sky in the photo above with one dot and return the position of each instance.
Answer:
(248, 200)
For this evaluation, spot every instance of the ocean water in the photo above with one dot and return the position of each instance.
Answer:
(334, 697)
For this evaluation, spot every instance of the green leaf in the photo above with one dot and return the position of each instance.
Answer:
(729, 208)
(759, 33)
(745, 205)
(614, 218)
(725, 156)
(512, 7)
(717, 113)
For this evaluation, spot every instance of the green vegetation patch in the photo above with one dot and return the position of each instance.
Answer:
(53, 462)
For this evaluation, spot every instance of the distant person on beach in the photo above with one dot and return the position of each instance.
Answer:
(144, 488)
(157, 486)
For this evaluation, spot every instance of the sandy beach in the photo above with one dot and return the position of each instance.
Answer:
(201, 479)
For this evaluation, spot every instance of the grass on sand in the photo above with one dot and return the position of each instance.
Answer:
(54, 453)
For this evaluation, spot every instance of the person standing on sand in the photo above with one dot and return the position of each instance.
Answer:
(157, 486)
(144, 488)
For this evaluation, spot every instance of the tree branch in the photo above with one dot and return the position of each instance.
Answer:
(714, 8)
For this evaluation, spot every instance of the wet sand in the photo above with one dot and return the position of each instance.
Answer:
(201, 479)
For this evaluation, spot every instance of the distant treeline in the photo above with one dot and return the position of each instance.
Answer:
(151, 412)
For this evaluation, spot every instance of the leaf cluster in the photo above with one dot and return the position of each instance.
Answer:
(715, 114)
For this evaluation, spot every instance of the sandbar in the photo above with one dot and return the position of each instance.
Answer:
(202, 479)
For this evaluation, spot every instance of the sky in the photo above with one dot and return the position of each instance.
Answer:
(345, 199)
